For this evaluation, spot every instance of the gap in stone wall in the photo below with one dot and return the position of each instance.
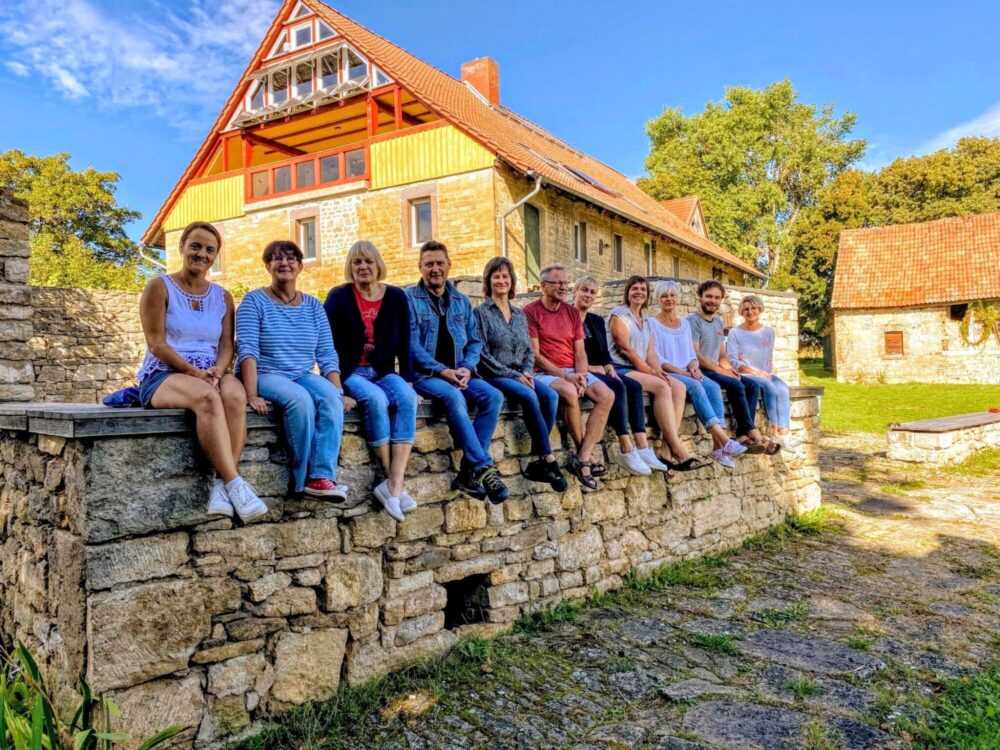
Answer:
(468, 601)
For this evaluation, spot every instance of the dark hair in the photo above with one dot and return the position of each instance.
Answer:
(200, 225)
(282, 246)
(433, 245)
(631, 282)
(706, 285)
(496, 264)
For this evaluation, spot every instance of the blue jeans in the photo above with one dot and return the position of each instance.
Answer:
(388, 405)
(312, 412)
(538, 407)
(471, 437)
(628, 413)
(706, 398)
(743, 395)
(777, 400)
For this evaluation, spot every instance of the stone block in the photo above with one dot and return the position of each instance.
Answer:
(300, 561)
(227, 650)
(418, 603)
(131, 560)
(264, 587)
(250, 628)
(464, 568)
(398, 587)
(420, 523)
(416, 628)
(605, 505)
(371, 529)
(307, 665)
(507, 594)
(580, 550)
(288, 602)
(352, 581)
(466, 514)
(235, 676)
(154, 706)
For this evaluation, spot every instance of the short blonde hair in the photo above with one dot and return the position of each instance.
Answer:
(364, 249)
(665, 287)
(586, 280)
(754, 300)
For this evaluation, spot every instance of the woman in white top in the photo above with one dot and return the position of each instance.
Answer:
(188, 324)
(634, 357)
(674, 345)
(750, 347)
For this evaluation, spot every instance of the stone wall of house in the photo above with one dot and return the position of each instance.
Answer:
(933, 348)
(16, 375)
(86, 343)
(464, 222)
(558, 213)
(112, 570)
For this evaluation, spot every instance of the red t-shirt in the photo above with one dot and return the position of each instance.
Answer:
(556, 332)
(369, 311)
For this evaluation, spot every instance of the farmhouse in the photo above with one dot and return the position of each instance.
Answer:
(919, 302)
(334, 134)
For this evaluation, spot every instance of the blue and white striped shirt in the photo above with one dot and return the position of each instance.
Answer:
(284, 339)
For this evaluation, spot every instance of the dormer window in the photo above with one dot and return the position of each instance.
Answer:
(257, 95)
(280, 46)
(302, 36)
(303, 78)
(356, 65)
(329, 70)
(301, 11)
(279, 86)
(325, 32)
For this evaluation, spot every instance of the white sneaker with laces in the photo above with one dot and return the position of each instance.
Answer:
(632, 463)
(406, 502)
(787, 442)
(734, 448)
(719, 454)
(649, 457)
(244, 499)
(218, 500)
(390, 503)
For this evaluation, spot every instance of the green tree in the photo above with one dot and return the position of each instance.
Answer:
(78, 233)
(951, 182)
(756, 159)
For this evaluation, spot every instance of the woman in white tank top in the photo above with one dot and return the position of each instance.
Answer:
(188, 324)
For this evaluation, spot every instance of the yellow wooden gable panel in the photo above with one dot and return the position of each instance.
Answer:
(207, 201)
(426, 155)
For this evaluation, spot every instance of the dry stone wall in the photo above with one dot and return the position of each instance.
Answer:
(110, 568)
(16, 374)
(941, 448)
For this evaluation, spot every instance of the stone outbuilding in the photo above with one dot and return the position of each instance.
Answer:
(335, 134)
(919, 302)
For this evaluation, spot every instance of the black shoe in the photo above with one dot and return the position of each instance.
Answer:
(556, 478)
(537, 471)
(496, 490)
(467, 482)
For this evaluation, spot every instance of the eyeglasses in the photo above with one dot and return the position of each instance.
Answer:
(555, 283)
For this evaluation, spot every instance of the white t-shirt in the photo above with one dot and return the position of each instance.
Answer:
(638, 336)
(673, 345)
(754, 348)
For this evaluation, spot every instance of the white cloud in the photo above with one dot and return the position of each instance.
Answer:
(180, 65)
(985, 125)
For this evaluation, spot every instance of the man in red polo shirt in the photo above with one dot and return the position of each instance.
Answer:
(561, 361)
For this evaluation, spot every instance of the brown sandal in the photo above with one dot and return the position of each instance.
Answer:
(575, 467)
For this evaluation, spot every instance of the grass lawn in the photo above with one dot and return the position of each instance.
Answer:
(871, 408)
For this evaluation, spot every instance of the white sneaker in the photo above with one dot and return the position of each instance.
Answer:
(787, 442)
(245, 500)
(719, 454)
(406, 502)
(218, 500)
(390, 503)
(649, 457)
(734, 448)
(633, 463)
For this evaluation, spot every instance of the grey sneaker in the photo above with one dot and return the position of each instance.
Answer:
(218, 500)
(406, 502)
(390, 503)
(244, 499)
(719, 454)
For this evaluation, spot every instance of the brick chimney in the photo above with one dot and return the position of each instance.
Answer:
(484, 74)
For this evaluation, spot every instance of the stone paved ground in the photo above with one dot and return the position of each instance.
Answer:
(823, 642)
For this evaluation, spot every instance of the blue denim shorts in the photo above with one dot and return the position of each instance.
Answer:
(150, 383)
(546, 379)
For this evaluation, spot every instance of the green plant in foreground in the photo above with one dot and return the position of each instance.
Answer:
(900, 488)
(719, 644)
(29, 719)
(782, 618)
(967, 716)
(819, 737)
(802, 687)
(983, 463)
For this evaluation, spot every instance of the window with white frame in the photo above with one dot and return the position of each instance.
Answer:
(303, 78)
(306, 230)
(580, 241)
(421, 221)
(256, 98)
(279, 86)
(329, 70)
(647, 252)
(280, 46)
(357, 66)
(302, 36)
(619, 252)
(325, 32)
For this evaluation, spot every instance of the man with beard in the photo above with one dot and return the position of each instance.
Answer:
(709, 338)
(445, 348)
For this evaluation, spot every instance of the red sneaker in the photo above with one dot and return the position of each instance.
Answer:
(321, 488)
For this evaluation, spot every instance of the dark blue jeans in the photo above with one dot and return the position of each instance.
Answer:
(472, 437)
(538, 407)
(629, 412)
(743, 394)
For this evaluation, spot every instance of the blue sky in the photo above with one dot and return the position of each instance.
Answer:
(133, 85)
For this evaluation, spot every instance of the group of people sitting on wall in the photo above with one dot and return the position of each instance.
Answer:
(378, 349)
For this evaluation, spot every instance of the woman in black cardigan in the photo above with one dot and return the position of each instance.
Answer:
(370, 321)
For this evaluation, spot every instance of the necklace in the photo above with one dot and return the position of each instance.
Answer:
(281, 299)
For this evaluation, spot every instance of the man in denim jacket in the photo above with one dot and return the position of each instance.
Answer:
(444, 348)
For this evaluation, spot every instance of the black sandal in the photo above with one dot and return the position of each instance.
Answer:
(771, 448)
(689, 464)
(597, 469)
(575, 467)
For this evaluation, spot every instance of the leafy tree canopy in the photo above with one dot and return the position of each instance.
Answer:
(756, 159)
(77, 227)
(951, 182)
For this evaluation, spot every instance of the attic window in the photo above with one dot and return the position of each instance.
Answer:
(329, 70)
(957, 312)
(280, 46)
(302, 36)
(257, 95)
(279, 86)
(580, 174)
(325, 32)
(303, 79)
(356, 65)
(381, 79)
(301, 11)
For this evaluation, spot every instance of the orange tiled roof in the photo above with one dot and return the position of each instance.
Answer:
(516, 141)
(682, 208)
(907, 265)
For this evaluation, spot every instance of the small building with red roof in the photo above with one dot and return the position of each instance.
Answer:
(334, 134)
(919, 302)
